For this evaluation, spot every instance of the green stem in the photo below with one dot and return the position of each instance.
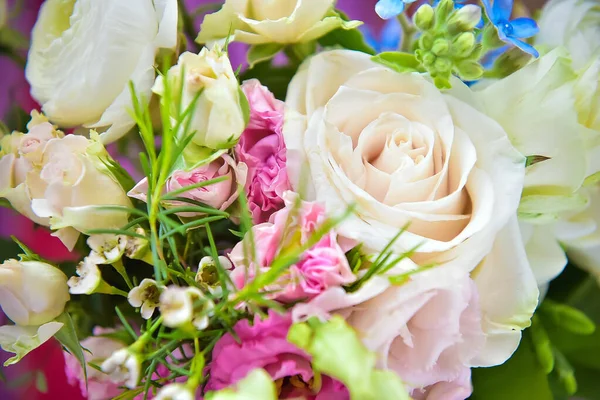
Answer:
(105, 288)
(188, 23)
(408, 31)
(118, 265)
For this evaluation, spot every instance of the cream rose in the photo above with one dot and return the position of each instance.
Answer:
(272, 21)
(402, 152)
(31, 292)
(574, 24)
(217, 118)
(84, 53)
(60, 182)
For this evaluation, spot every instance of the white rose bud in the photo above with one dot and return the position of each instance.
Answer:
(217, 118)
(574, 24)
(71, 39)
(273, 21)
(123, 366)
(32, 292)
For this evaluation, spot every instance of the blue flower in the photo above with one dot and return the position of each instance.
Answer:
(389, 38)
(387, 9)
(511, 31)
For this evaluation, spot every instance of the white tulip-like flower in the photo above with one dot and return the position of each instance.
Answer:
(174, 391)
(273, 21)
(217, 118)
(106, 249)
(181, 306)
(84, 53)
(123, 367)
(20, 340)
(574, 24)
(88, 280)
(32, 292)
(146, 296)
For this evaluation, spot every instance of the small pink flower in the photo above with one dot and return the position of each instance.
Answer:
(219, 195)
(264, 345)
(321, 267)
(262, 148)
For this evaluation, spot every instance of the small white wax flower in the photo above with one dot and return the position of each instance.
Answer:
(106, 249)
(146, 296)
(88, 280)
(174, 391)
(207, 273)
(123, 367)
(180, 306)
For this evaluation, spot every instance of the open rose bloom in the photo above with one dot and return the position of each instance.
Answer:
(301, 199)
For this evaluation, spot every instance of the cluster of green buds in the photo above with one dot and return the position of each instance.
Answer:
(448, 42)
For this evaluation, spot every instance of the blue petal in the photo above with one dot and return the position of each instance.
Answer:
(502, 10)
(524, 28)
(370, 38)
(526, 47)
(387, 9)
(490, 58)
(391, 35)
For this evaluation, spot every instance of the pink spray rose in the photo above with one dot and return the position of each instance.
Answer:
(321, 267)
(219, 195)
(262, 148)
(264, 345)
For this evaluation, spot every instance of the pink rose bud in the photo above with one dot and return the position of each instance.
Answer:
(219, 195)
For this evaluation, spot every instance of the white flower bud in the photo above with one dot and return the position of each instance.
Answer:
(32, 292)
(89, 278)
(174, 391)
(123, 367)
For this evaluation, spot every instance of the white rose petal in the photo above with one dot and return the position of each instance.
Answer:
(85, 52)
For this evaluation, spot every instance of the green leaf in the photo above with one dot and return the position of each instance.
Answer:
(351, 39)
(277, 79)
(531, 160)
(541, 345)
(244, 105)
(67, 336)
(263, 52)
(398, 61)
(568, 318)
(256, 385)
(520, 378)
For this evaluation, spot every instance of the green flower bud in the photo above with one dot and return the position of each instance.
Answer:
(426, 41)
(440, 47)
(462, 45)
(442, 82)
(442, 11)
(423, 18)
(464, 19)
(442, 65)
(469, 70)
(428, 59)
(490, 38)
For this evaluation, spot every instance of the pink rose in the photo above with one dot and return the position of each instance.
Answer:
(262, 148)
(264, 345)
(321, 267)
(219, 195)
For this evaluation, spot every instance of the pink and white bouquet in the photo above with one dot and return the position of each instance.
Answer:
(346, 215)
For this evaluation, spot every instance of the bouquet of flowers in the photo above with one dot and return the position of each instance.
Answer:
(346, 215)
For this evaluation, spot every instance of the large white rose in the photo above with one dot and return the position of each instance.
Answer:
(574, 24)
(84, 53)
(272, 21)
(402, 152)
(31, 292)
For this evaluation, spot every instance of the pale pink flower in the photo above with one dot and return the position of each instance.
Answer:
(219, 195)
(322, 266)
(262, 148)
